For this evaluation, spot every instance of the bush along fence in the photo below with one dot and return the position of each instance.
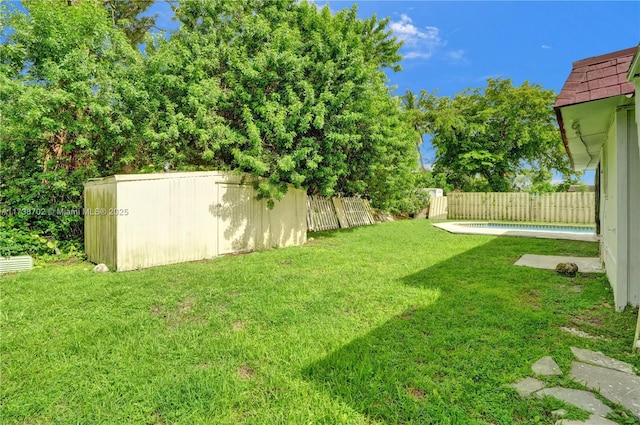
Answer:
(561, 207)
(335, 213)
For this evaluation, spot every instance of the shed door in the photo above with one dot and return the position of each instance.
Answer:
(236, 218)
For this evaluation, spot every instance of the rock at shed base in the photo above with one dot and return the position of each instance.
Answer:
(567, 269)
(101, 268)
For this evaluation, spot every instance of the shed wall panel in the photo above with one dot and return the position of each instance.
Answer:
(100, 224)
(168, 221)
(237, 217)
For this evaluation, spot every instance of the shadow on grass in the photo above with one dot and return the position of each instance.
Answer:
(449, 362)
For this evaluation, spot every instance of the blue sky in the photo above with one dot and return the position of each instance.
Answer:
(453, 45)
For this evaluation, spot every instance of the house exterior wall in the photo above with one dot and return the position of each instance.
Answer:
(620, 208)
(608, 206)
(167, 218)
(637, 102)
(633, 207)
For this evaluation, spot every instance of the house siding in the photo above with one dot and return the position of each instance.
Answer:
(633, 214)
(620, 206)
(609, 208)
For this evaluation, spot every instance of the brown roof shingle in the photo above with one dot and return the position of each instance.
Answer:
(597, 78)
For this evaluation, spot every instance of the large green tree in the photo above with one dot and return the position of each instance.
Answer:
(483, 138)
(411, 105)
(70, 89)
(284, 91)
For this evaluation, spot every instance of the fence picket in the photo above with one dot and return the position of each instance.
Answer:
(566, 207)
(333, 213)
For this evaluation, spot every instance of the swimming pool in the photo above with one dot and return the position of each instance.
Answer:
(534, 227)
(548, 231)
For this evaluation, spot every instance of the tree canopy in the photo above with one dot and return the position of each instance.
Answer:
(415, 115)
(69, 86)
(127, 15)
(283, 90)
(485, 138)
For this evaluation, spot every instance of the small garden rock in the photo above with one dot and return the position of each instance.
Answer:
(567, 269)
(101, 268)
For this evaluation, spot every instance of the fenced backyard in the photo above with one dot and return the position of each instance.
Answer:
(564, 207)
(395, 323)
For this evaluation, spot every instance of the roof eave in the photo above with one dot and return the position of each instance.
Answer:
(634, 68)
(565, 142)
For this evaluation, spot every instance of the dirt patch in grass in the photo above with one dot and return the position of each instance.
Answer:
(156, 418)
(408, 314)
(530, 299)
(586, 319)
(186, 305)
(594, 316)
(183, 314)
(245, 372)
(237, 325)
(416, 393)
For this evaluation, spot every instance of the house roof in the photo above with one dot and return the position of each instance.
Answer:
(598, 77)
(595, 88)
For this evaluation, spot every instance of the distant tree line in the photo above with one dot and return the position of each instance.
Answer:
(496, 139)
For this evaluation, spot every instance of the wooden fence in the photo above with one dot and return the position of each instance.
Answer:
(334, 213)
(565, 207)
(438, 208)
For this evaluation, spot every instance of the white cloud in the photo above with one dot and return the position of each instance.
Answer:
(544, 46)
(422, 43)
(412, 35)
(456, 55)
(418, 55)
(484, 78)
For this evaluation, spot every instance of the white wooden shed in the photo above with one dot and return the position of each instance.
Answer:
(136, 221)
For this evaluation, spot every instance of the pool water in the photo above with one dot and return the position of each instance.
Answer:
(534, 227)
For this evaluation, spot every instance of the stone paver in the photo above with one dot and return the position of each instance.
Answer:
(619, 387)
(546, 367)
(599, 359)
(549, 262)
(592, 420)
(583, 399)
(527, 386)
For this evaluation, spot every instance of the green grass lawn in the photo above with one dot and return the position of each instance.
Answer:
(394, 323)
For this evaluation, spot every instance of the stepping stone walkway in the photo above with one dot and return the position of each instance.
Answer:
(613, 379)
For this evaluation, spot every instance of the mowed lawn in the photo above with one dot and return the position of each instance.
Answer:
(394, 323)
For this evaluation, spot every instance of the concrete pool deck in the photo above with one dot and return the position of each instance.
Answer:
(459, 227)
